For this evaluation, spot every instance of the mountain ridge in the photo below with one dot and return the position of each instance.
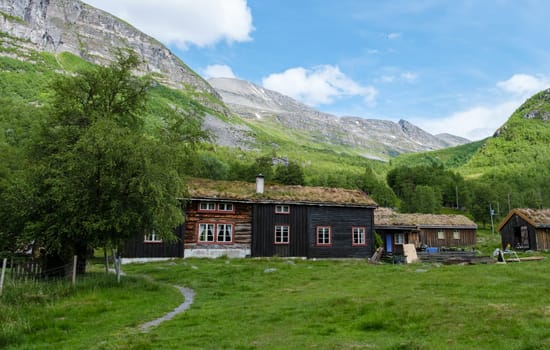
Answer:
(388, 138)
(57, 26)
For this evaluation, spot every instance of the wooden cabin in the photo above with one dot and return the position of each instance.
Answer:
(424, 230)
(149, 247)
(277, 220)
(395, 229)
(526, 229)
(240, 219)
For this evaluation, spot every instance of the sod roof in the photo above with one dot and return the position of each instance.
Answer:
(390, 218)
(539, 218)
(246, 191)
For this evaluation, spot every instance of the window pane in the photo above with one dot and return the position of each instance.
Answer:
(282, 209)
(226, 207)
(206, 232)
(225, 232)
(323, 235)
(282, 234)
(207, 206)
(359, 236)
(399, 238)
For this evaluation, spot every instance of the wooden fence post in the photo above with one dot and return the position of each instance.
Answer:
(75, 261)
(4, 263)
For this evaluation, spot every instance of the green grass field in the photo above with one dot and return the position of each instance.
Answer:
(288, 304)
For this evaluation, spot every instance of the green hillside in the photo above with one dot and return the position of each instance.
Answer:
(511, 169)
(451, 158)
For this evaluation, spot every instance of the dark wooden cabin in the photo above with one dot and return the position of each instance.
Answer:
(239, 219)
(424, 230)
(526, 229)
(277, 220)
(151, 247)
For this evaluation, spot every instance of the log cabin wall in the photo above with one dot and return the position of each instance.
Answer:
(432, 237)
(543, 239)
(240, 218)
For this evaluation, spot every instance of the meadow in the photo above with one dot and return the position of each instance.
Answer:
(286, 304)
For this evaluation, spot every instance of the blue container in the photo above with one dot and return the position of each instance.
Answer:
(432, 250)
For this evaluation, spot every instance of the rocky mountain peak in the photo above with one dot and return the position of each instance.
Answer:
(72, 26)
(379, 138)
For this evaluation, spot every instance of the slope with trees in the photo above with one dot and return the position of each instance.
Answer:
(98, 172)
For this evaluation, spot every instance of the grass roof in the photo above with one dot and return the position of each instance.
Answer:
(246, 191)
(389, 217)
(539, 218)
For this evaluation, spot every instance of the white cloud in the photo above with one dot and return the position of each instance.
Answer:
(524, 84)
(218, 71)
(392, 36)
(319, 85)
(481, 121)
(185, 22)
(387, 78)
(409, 76)
(475, 123)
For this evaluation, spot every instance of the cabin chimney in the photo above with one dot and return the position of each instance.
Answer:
(259, 184)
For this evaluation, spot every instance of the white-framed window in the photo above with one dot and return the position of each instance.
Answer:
(456, 234)
(225, 233)
(282, 209)
(399, 238)
(282, 234)
(152, 237)
(207, 206)
(215, 233)
(441, 235)
(359, 236)
(206, 232)
(324, 236)
(218, 207)
(226, 207)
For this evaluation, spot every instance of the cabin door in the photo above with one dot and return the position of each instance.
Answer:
(389, 243)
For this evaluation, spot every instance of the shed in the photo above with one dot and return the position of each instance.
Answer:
(424, 230)
(525, 228)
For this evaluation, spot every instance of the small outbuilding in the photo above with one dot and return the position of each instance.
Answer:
(424, 230)
(526, 229)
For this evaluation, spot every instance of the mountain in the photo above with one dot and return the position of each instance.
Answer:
(58, 26)
(523, 140)
(452, 140)
(378, 138)
(257, 119)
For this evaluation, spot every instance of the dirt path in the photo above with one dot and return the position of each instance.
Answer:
(189, 296)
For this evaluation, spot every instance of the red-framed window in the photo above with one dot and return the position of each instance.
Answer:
(226, 207)
(209, 232)
(217, 207)
(358, 236)
(282, 209)
(323, 236)
(207, 206)
(282, 234)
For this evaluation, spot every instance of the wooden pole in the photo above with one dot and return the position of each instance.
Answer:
(4, 264)
(75, 261)
(106, 257)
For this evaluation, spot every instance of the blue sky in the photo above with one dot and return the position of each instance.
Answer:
(459, 66)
